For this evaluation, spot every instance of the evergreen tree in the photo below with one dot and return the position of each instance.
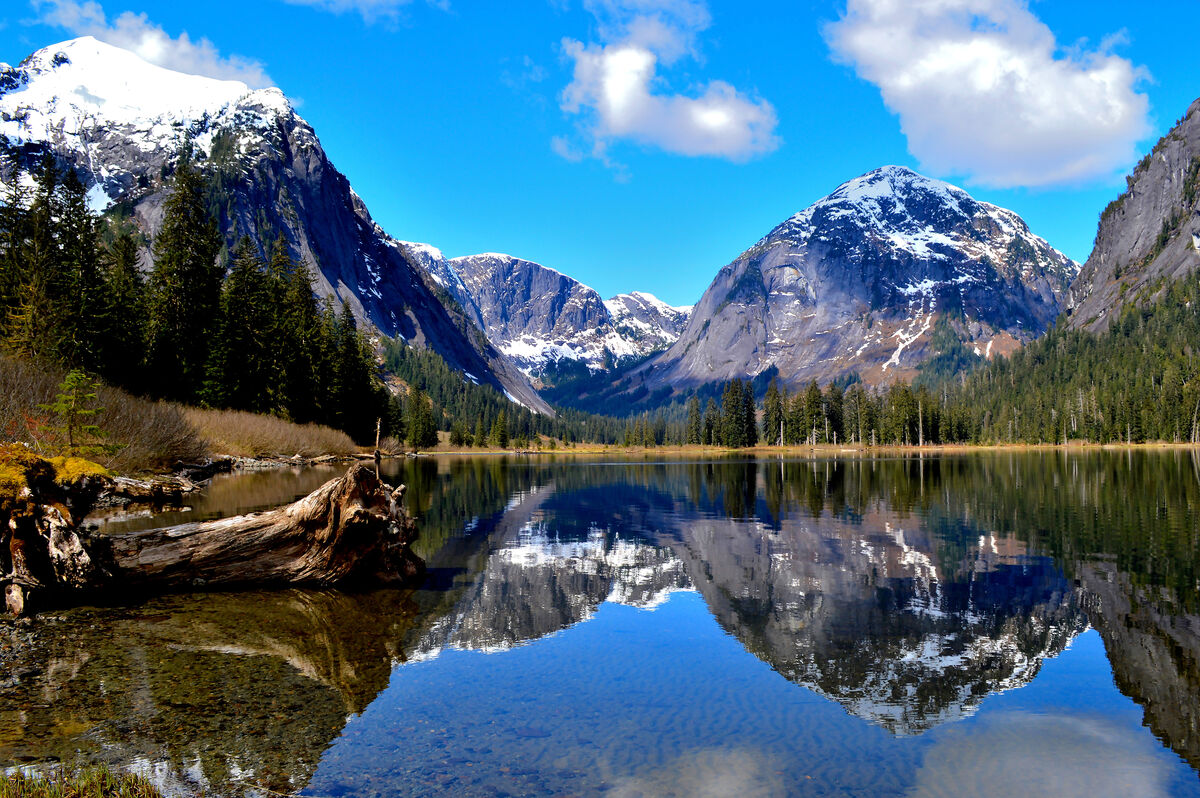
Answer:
(14, 233)
(749, 433)
(184, 291)
(835, 401)
(84, 302)
(773, 414)
(712, 424)
(303, 358)
(242, 369)
(695, 425)
(480, 434)
(75, 407)
(460, 433)
(499, 436)
(355, 399)
(422, 433)
(123, 343)
(33, 328)
(731, 414)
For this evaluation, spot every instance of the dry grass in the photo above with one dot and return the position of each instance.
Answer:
(92, 783)
(392, 446)
(143, 435)
(138, 434)
(249, 435)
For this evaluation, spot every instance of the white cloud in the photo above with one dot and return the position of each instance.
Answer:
(136, 33)
(982, 89)
(614, 85)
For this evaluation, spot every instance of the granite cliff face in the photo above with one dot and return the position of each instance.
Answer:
(857, 281)
(121, 122)
(538, 316)
(1149, 234)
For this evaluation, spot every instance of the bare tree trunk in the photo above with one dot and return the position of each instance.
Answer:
(350, 531)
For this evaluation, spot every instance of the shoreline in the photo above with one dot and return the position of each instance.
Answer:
(822, 450)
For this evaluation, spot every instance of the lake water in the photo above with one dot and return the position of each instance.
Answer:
(986, 624)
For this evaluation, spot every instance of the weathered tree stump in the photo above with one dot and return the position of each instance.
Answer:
(352, 531)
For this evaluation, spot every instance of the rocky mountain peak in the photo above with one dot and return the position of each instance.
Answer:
(120, 123)
(540, 317)
(856, 282)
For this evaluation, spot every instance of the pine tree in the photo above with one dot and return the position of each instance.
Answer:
(303, 349)
(38, 285)
(712, 424)
(75, 407)
(354, 397)
(82, 320)
(499, 436)
(184, 291)
(694, 433)
(480, 435)
(123, 343)
(772, 414)
(749, 434)
(242, 371)
(422, 434)
(14, 233)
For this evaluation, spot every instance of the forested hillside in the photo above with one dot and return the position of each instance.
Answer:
(250, 337)
(235, 331)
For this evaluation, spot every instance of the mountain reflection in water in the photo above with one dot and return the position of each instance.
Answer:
(905, 590)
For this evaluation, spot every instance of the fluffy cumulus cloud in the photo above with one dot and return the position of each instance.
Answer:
(615, 88)
(983, 89)
(136, 33)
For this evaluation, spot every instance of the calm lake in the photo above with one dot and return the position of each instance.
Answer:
(984, 624)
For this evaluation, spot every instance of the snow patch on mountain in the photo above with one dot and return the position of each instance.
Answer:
(857, 282)
(92, 99)
(947, 224)
(537, 316)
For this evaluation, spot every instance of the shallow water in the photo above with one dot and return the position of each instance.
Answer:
(989, 624)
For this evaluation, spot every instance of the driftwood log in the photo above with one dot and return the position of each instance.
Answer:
(352, 531)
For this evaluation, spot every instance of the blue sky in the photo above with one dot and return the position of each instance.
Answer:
(642, 144)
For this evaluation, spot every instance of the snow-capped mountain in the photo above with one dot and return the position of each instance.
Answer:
(639, 316)
(857, 281)
(121, 122)
(538, 316)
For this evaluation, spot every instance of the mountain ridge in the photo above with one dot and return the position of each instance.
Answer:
(270, 176)
(854, 284)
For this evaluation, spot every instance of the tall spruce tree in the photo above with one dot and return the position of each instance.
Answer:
(772, 414)
(242, 371)
(749, 432)
(124, 338)
(33, 329)
(422, 433)
(299, 332)
(84, 302)
(184, 291)
(694, 432)
(712, 424)
(14, 231)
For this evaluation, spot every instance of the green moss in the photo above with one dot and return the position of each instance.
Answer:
(71, 469)
(21, 468)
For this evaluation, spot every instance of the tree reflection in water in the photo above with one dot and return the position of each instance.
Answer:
(905, 589)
